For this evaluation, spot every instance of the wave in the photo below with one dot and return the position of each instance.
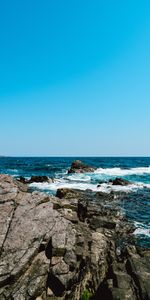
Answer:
(12, 171)
(123, 172)
(63, 184)
(79, 177)
(104, 187)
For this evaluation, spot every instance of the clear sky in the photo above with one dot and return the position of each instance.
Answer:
(75, 77)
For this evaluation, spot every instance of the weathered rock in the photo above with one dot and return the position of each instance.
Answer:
(28, 222)
(79, 167)
(68, 248)
(68, 193)
(41, 249)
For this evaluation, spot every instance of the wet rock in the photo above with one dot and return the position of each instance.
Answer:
(120, 181)
(79, 167)
(38, 179)
(22, 179)
(34, 179)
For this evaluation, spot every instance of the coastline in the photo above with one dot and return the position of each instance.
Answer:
(69, 246)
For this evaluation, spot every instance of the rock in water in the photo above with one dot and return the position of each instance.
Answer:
(79, 167)
(120, 181)
(34, 179)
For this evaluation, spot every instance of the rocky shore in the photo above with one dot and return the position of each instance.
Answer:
(75, 246)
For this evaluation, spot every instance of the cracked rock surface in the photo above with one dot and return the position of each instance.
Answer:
(61, 247)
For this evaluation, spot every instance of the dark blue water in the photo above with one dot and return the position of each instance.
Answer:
(136, 204)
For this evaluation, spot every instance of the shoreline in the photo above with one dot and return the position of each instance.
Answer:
(68, 246)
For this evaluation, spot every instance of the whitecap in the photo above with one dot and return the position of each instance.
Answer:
(63, 184)
(123, 172)
(142, 231)
(79, 177)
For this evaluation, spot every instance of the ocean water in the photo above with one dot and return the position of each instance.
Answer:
(136, 199)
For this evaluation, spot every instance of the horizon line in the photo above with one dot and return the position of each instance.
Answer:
(76, 156)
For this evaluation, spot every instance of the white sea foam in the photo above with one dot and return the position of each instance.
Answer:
(104, 187)
(63, 184)
(123, 172)
(141, 229)
(79, 177)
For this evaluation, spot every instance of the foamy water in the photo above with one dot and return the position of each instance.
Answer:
(141, 229)
(123, 172)
(104, 187)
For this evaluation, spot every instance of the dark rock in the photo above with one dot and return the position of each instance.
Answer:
(22, 179)
(79, 167)
(82, 210)
(34, 179)
(38, 179)
(120, 181)
(98, 222)
(105, 196)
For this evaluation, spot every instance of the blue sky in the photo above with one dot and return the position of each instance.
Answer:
(75, 78)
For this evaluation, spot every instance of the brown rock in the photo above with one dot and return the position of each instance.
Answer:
(79, 167)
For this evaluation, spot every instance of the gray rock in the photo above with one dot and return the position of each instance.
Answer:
(65, 249)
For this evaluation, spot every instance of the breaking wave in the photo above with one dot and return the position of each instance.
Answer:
(123, 172)
(104, 187)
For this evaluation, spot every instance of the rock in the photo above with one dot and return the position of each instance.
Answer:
(82, 210)
(68, 193)
(38, 179)
(28, 221)
(22, 179)
(79, 167)
(120, 181)
(34, 179)
(102, 222)
(68, 248)
(105, 196)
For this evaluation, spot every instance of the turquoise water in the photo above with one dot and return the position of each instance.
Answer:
(136, 204)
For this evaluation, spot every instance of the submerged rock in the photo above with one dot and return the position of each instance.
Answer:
(79, 167)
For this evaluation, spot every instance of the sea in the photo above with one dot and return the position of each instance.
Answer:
(136, 204)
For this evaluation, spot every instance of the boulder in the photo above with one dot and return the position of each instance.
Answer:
(34, 179)
(120, 181)
(79, 167)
